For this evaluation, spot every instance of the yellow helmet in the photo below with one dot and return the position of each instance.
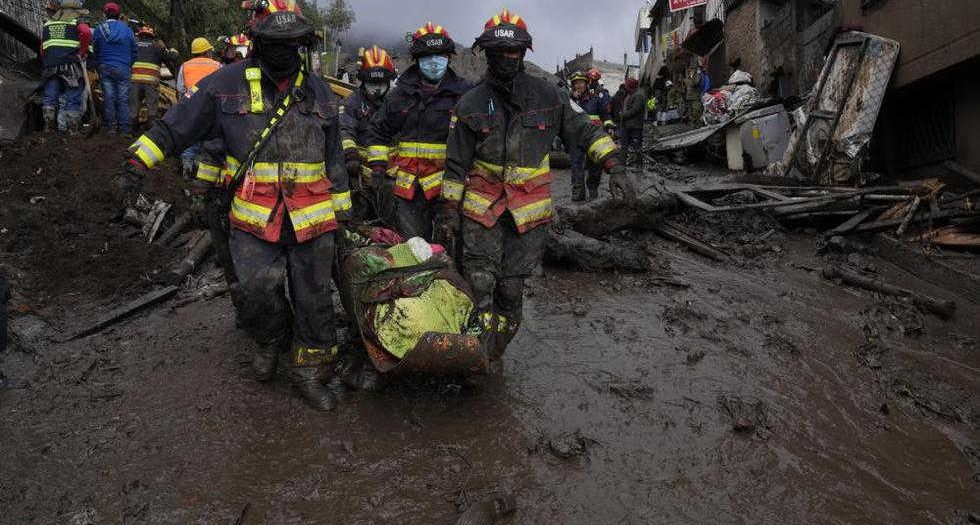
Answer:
(200, 45)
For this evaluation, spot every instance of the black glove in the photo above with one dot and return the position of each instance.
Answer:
(353, 168)
(621, 183)
(447, 224)
(129, 184)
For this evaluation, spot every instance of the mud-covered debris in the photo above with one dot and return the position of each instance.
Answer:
(747, 415)
(28, 333)
(893, 316)
(695, 357)
(780, 344)
(84, 517)
(631, 390)
(869, 354)
(571, 445)
(839, 244)
(580, 310)
(489, 510)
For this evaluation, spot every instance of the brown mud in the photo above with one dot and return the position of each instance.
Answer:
(749, 391)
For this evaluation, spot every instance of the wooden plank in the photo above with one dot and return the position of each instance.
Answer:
(854, 221)
(147, 299)
(676, 234)
(931, 270)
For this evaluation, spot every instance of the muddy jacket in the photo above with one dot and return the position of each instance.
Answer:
(298, 175)
(355, 118)
(596, 107)
(498, 150)
(416, 124)
(150, 55)
(634, 109)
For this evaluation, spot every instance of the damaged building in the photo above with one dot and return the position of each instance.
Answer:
(924, 125)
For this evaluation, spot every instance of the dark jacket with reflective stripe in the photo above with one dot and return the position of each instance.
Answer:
(412, 116)
(150, 55)
(355, 119)
(309, 134)
(61, 42)
(499, 147)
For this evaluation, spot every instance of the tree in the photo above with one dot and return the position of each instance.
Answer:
(338, 18)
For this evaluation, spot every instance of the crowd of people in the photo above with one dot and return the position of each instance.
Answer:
(292, 166)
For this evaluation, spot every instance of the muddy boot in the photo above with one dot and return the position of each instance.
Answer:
(73, 123)
(264, 363)
(311, 383)
(50, 119)
(593, 193)
(357, 373)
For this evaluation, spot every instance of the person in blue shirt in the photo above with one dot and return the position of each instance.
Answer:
(115, 50)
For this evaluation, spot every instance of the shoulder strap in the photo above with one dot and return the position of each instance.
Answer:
(275, 118)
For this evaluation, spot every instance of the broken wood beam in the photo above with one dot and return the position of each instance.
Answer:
(908, 216)
(674, 233)
(194, 257)
(940, 307)
(920, 217)
(572, 249)
(182, 221)
(115, 315)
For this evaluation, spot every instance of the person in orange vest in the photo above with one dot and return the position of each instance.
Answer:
(192, 72)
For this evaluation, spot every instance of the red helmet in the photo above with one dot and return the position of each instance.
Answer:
(632, 83)
(505, 30)
(111, 8)
(431, 39)
(239, 40)
(594, 75)
(376, 64)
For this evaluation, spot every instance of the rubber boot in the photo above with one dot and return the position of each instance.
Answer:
(357, 373)
(593, 193)
(310, 381)
(50, 119)
(73, 121)
(265, 361)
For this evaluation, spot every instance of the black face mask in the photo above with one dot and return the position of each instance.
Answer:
(279, 59)
(503, 68)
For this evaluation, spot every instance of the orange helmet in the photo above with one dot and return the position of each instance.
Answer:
(376, 64)
(431, 39)
(505, 30)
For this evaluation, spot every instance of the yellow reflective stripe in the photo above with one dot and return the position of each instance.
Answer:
(404, 179)
(232, 164)
(348, 144)
(601, 147)
(147, 65)
(312, 215)
(608, 123)
(421, 150)
(532, 212)
(147, 151)
(208, 172)
(452, 190)
(249, 212)
(342, 201)
(378, 153)
(148, 78)
(515, 175)
(431, 181)
(302, 172)
(61, 42)
(254, 77)
(475, 203)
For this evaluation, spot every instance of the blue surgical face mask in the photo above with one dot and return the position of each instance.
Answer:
(434, 67)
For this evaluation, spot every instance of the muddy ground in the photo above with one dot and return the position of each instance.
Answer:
(747, 391)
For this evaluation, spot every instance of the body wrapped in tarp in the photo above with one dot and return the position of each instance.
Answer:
(411, 306)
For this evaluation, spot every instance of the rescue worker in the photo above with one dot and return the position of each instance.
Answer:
(64, 47)
(595, 109)
(631, 125)
(190, 74)
(498, 174)
(151, 54)
(115, 49)
(414, 120)
(376, 73)
(280, 130)
(237, 48)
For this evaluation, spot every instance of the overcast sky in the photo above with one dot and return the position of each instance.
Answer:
(559, 27)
